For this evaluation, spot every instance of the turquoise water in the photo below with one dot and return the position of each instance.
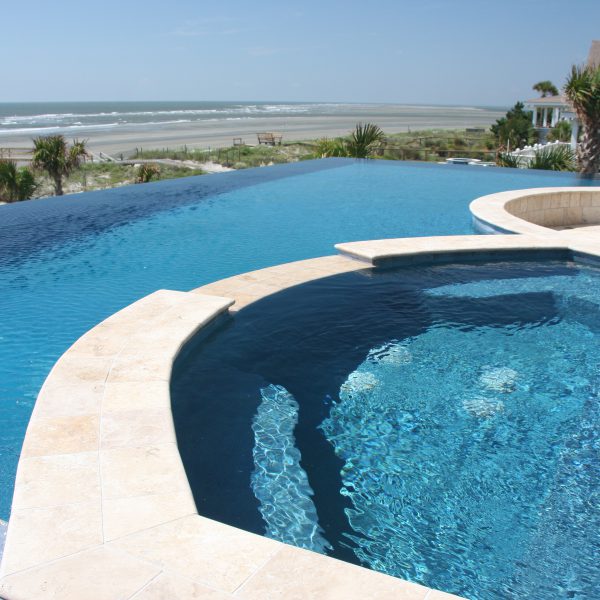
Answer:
(483, 481)
(66, 264)
(438, 423)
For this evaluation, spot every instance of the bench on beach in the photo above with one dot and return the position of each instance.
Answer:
(20, 154)
(269, 138)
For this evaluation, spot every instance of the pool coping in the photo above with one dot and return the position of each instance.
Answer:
(493, 213)
(102, 507)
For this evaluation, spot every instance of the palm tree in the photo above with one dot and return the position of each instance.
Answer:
(15, 184)
(583, 92)
(363, 140)
(53, 155)
(546, 88)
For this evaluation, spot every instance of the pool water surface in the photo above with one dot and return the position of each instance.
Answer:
(439, 424)
(67, 263)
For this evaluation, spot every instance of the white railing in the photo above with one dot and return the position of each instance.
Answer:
(526, 154)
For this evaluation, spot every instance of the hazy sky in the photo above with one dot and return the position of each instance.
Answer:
(483, 52)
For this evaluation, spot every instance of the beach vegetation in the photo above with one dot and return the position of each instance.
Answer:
(583, 92)
(515, 129)
(546, 88)
(506, 159)
(561, 132)
(553, 158)
(147, 172)
(361, 143)
(328, 147)
(363, 140)
(57, 158)
(425, 145)
(16, 183)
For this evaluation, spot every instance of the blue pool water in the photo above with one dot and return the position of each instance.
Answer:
(439, 424)
(66, 264)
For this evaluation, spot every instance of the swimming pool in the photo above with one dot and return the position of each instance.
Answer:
(437, 423)
(67, 263)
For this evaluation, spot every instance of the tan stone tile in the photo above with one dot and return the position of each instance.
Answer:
(142, 471)
(199, 307)
(147, 308)
(591, 214)
(241, 301)
(98, 574)
(101, 341)
(573, 215)
(59, 479)
(151, 366)
(83, 398)
(39, 535)
(294, 574)
(136, 395)
(123, 516)
(145, 427)
(75, 368)
(202, 550)
(61, 435)
(438, 595)
(169, 587)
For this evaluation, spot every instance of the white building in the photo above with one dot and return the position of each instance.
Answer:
(548, 111)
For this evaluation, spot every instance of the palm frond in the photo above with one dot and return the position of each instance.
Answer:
(557, 158)
(505, 159)
(363, 139)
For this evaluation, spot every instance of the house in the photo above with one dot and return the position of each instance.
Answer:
(548, 111)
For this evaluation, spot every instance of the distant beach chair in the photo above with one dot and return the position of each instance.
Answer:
(269, 138)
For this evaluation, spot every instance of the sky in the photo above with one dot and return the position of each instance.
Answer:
(459, 52)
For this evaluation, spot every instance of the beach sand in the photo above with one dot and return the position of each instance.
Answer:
(221, 132)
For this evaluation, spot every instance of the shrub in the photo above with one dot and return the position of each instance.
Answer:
(147, 172)
(505, 159)
(16, 184)
(515, 128)
(561, 132)
(557, 158)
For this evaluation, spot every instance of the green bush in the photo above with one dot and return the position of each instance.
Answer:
(561, 132)
(16, 184)
(515, 129)
(557, 158)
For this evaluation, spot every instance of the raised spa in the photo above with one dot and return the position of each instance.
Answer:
(439, 424)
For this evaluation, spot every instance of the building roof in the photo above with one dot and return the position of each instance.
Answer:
(551, 100)
(594, 55)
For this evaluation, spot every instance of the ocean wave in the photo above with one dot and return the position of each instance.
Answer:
(89, 126)
(39, 119)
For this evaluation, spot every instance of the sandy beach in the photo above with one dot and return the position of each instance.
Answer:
(219, 131)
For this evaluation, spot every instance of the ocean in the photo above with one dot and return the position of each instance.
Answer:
(120, 125)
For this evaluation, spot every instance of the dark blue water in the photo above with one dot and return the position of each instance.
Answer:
(439, 424)
(67, 263)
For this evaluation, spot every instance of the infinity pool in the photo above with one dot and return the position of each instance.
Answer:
(439, 424)
(67, 263)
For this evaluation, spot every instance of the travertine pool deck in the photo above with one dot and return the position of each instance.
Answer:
(102, 508)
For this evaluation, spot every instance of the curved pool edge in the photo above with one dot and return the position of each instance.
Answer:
(538, 211)
(101, 498)
(102, 507)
